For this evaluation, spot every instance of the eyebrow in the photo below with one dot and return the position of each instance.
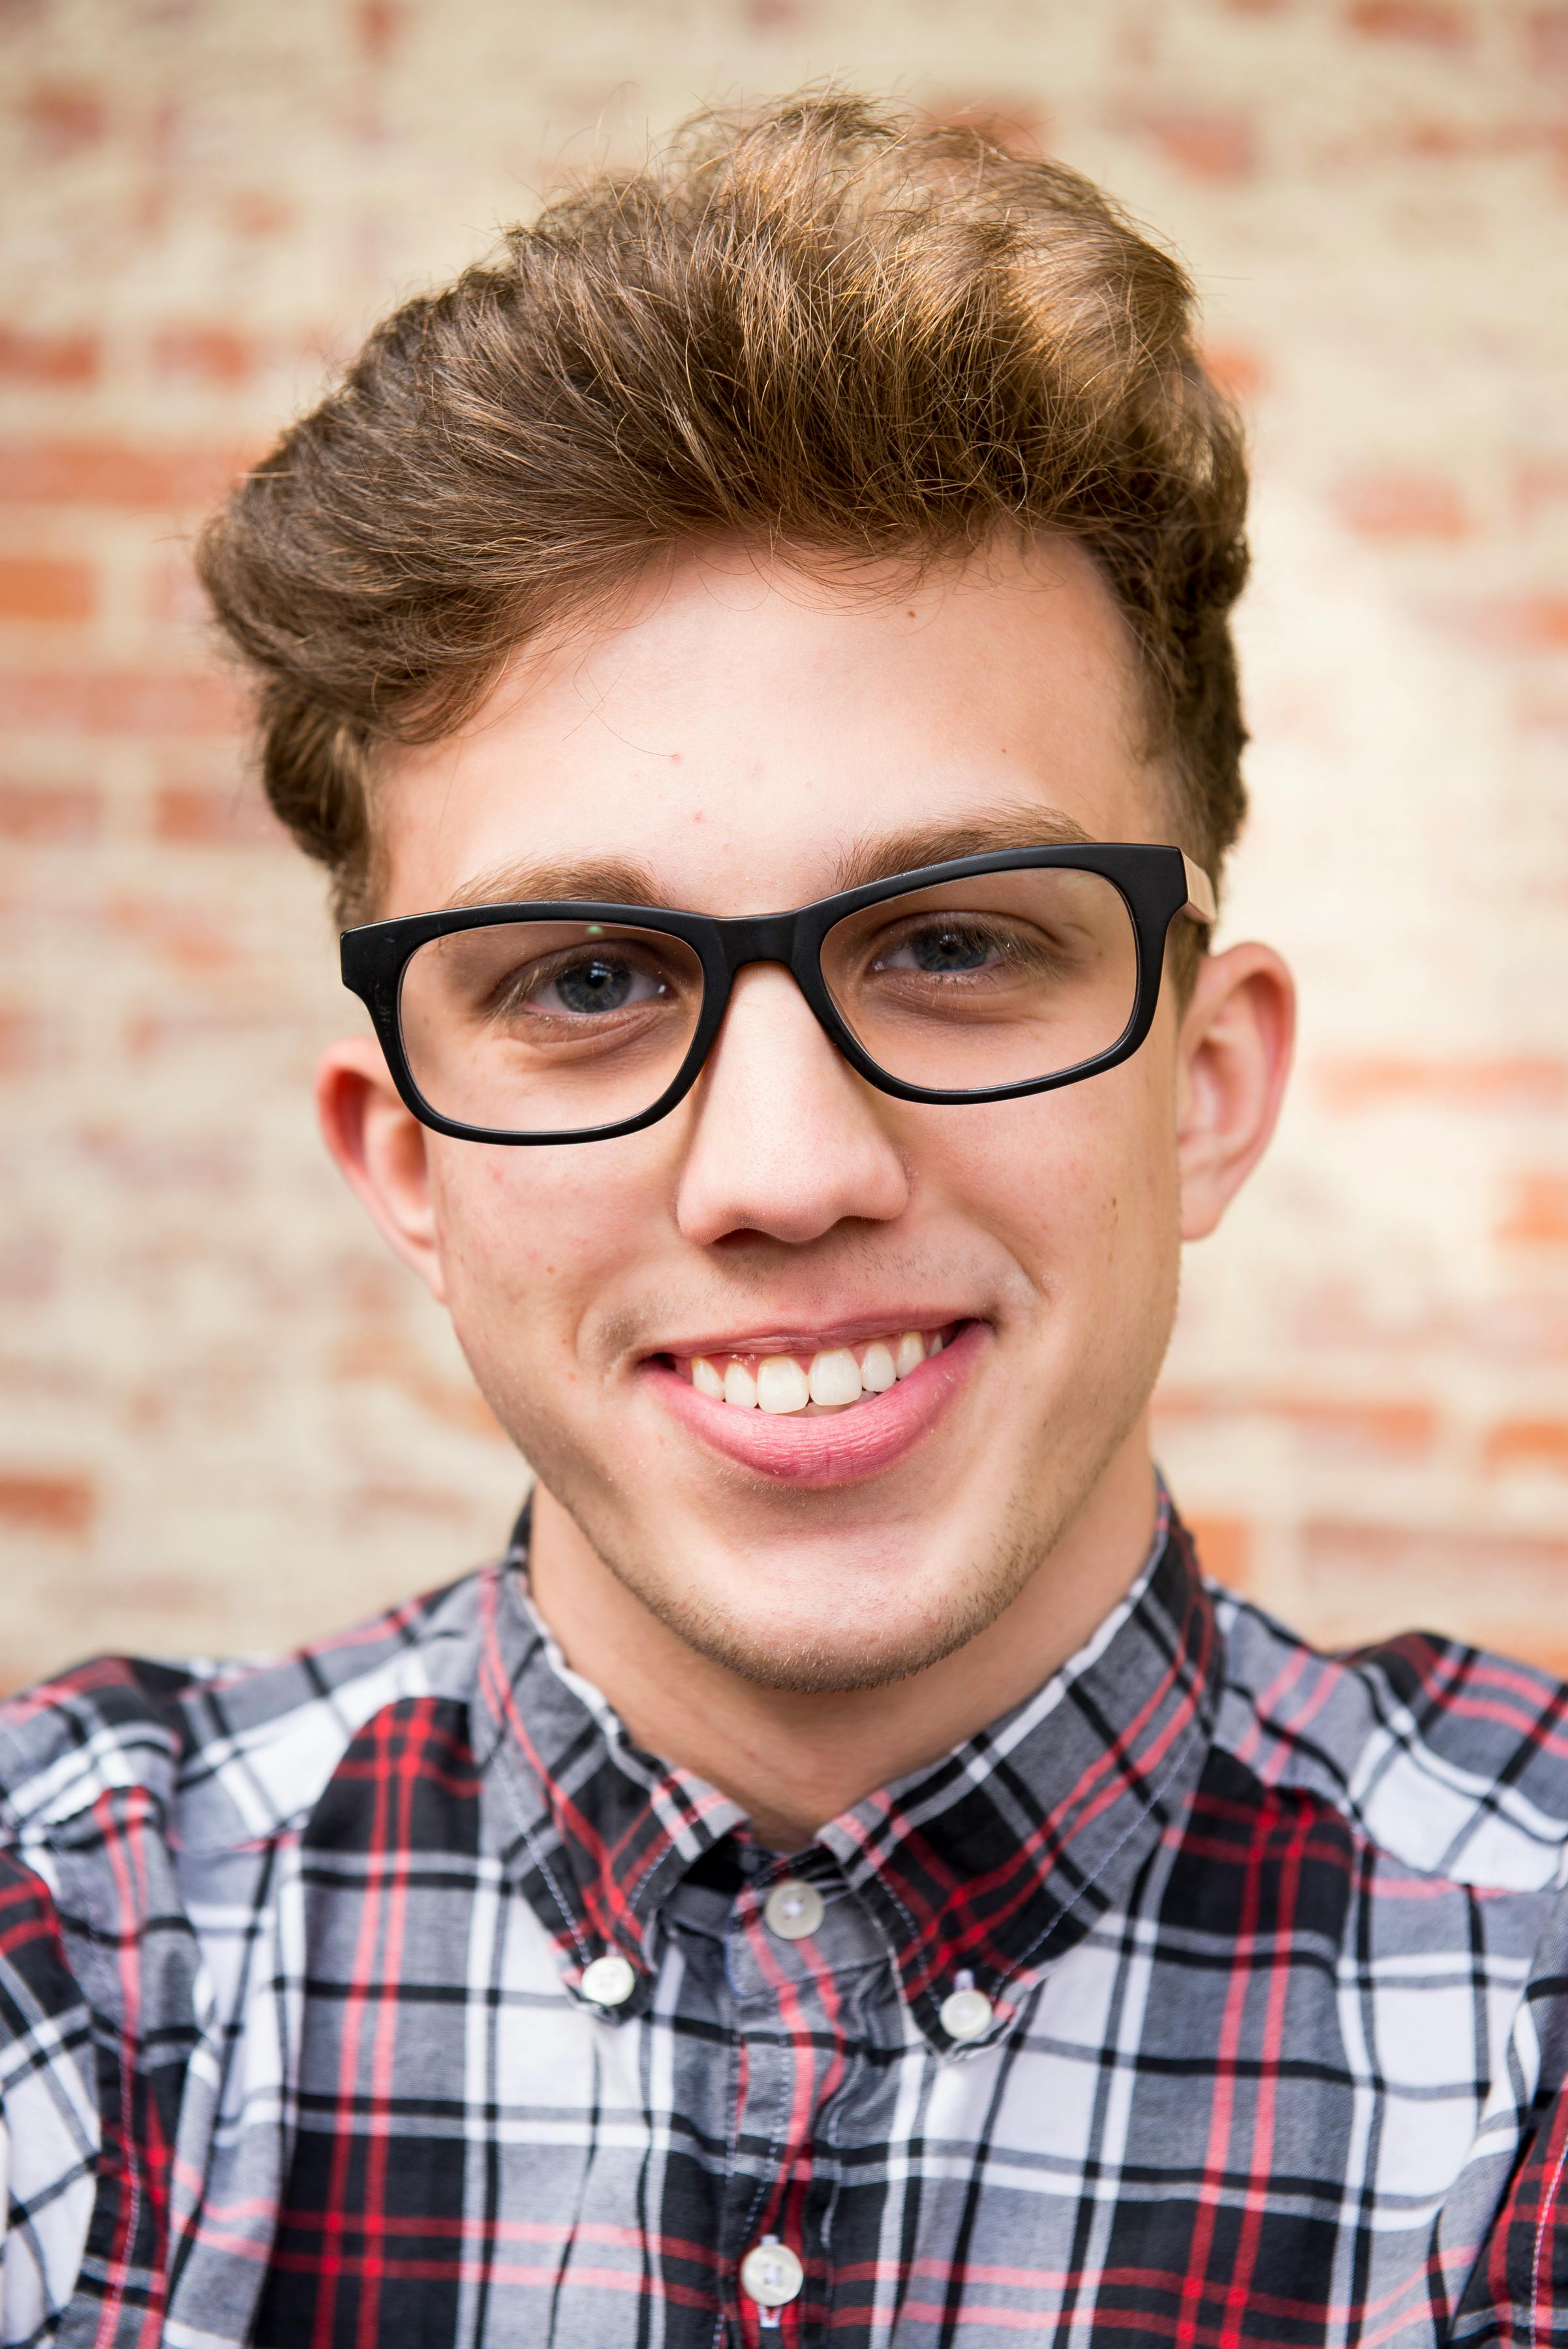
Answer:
(617, 881)
(605, 880)
(987, 833)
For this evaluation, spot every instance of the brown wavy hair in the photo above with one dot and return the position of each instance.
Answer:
(821, 326)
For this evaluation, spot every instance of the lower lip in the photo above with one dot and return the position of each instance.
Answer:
(833, 1448)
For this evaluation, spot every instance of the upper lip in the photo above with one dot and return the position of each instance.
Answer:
(811, 1337)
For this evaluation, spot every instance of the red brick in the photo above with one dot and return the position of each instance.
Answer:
(257, 213)
(134, 701)
(1505, 1591)
(48, 1504)
(1401, 1427)
(1238, 368)
(235, 815)
(1431, 22)
(1528, 1443)
(1520, 624)
(22, 1039)
(1538, 1217)
(110, 473)
(157, 1163)
(1392, 506)
(29, 1266)
(1011, 119)
(1220, 147)
(377, 25)
(209, 355)
(1546, 37)
(41, 587)
(1540, 486)
(378, 1349)
(174, 593)
(51, 814)
(49, 359)
(187, 942)
(1224, 1549)
(64, 116)
(1379, 1082)
(1536, 711)
(401, 1504)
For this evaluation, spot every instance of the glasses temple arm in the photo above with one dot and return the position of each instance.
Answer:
(1200, 905)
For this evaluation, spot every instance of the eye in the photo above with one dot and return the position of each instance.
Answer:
(602, 982)
(950, 946)
(587, 985)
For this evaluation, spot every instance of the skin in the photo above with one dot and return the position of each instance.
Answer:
(739, 734)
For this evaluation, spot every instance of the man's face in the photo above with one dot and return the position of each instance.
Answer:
(724, 752)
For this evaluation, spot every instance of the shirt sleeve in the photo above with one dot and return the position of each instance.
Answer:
(48, 2120)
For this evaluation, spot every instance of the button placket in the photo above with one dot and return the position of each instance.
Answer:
(794, 1909)
(789, 1938)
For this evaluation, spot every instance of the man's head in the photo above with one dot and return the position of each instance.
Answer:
(829, 501)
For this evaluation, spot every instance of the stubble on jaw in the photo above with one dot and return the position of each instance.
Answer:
(1040, 1513)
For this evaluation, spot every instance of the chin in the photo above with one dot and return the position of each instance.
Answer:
(808, 1666)
(818, 1641)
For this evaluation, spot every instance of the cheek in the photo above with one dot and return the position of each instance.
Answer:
(527, 1237)
(1080, 1186)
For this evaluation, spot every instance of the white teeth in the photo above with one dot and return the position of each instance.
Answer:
(782, 1384)
(835, 1376)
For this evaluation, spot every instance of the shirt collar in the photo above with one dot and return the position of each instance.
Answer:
(989, 1863)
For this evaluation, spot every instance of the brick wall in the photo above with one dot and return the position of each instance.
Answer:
(226, 1418)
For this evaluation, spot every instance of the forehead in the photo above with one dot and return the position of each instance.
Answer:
(744, 734)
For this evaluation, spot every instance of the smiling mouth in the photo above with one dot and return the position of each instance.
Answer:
(831, 1379)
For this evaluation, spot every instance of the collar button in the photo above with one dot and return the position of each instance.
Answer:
(609, 1981)
(966, 2012)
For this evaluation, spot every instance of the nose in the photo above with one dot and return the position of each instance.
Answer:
(785, 1139)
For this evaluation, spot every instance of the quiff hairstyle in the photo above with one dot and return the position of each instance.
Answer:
(823, 328)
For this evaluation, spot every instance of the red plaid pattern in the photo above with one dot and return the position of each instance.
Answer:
(295, 2046)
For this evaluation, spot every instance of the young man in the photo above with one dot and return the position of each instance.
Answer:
(844, 1877)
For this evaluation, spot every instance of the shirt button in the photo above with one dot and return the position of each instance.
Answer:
(769, 2273)
(793, 1910)
(965, 2013)
(609, 1981)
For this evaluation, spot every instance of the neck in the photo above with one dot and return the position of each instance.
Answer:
(793, 1759)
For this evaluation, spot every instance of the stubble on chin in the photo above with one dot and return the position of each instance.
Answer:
(849, 1644)
(853, 1647)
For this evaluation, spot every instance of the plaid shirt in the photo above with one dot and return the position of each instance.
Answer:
(1268, 2007)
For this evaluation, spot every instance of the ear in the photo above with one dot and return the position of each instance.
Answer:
(1233, 1056)
(382, 1150)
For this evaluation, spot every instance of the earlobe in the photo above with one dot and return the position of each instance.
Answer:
(381, 1150)
(1233, 1058)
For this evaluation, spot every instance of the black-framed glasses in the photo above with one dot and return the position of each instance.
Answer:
(975, 980)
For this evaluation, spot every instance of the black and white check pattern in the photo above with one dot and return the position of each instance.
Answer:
(295, 2049)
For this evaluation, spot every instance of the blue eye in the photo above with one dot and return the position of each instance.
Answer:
(595, 984)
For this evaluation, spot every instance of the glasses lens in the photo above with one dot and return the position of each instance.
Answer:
(997, 980)
(548, 1026)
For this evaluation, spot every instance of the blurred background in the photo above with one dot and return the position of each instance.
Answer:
(227, 1419)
